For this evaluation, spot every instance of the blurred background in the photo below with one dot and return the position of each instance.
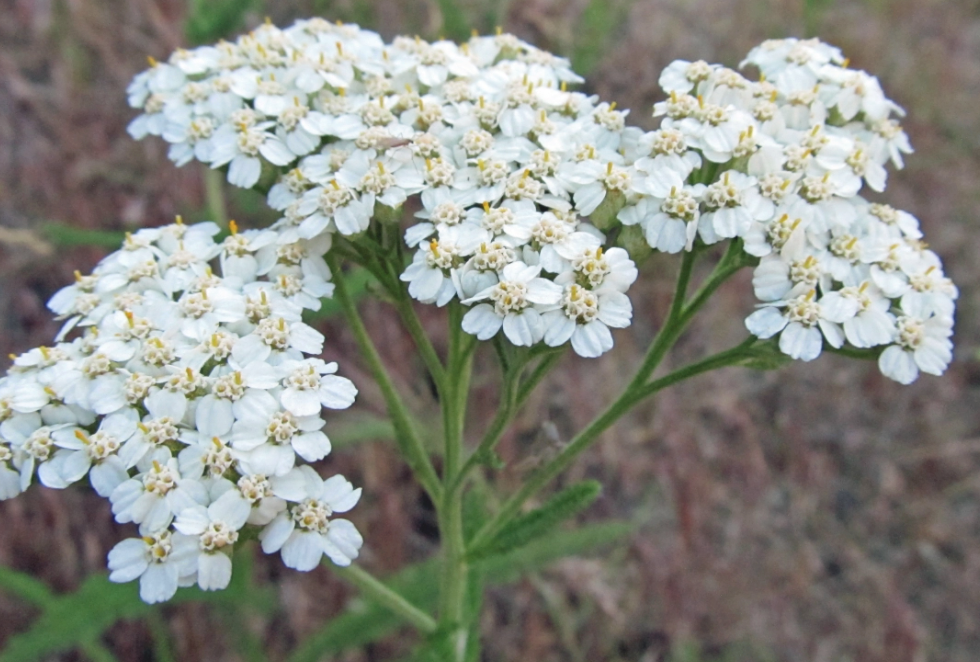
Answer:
(818, 513)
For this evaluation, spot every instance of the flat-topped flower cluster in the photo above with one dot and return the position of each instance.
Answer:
(528, 191)
(191, 402)
(790, 155)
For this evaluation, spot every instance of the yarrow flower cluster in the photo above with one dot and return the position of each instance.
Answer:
(190, 401)
(506, 160)
(530, 192)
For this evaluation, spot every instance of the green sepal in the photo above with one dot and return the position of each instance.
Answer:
(633, 239)
(765, 355)
(605, 214)
(387, 215)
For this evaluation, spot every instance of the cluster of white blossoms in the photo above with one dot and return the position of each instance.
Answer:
(190, 401)
(779, 163)
(186, 397)
(530, 194)
(505, 158)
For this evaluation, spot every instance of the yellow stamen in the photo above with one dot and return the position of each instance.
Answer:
(233, 226)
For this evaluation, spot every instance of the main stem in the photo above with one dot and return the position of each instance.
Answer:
(455, 568)
(678, 318)
(405, 433)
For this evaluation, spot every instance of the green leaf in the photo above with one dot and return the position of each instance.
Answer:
(510, 567)
(366, 621)
(63, 235)
(25, 587)
(541, 521)
(77, 619)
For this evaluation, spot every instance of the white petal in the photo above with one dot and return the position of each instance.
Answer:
(592, 339)
(213, 571)
(801, 342)
(337, 392)
(765, 322)
(895, 363)
(303, 551)
(274, 536)
(158, 583)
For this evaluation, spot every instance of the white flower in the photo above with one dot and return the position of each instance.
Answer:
(80, 451)
(151, 499)
(268, 439)
(276, 339)
(429, 277)
(514, 299)
(216, 529)
(585, 318)
(868, 323)
(304, 533)
(311, 384)
(733, 202)
(162, 562)
(921, 343)
(803, 323)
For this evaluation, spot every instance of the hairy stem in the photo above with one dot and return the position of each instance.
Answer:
(677, 320)
(405, 434)
(455, 568)
(214, 195)
(371, 587)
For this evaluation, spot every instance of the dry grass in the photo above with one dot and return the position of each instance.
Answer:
(817, 513)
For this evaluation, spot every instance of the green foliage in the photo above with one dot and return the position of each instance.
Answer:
(78, 619)
(66, 236)
(455, 24)
(210, 20)
(366, 621)
(765, 355)
(360, 428)
(359, 281)
(594, 31)
(539, 522)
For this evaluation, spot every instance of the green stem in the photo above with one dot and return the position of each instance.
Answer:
(405, 433)
(677, 320)
(415, 329)
(515, 393)
(723, 359)
(214, 195)
(380, 269)
(374, 589)
(455, 568)
(540, 372)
